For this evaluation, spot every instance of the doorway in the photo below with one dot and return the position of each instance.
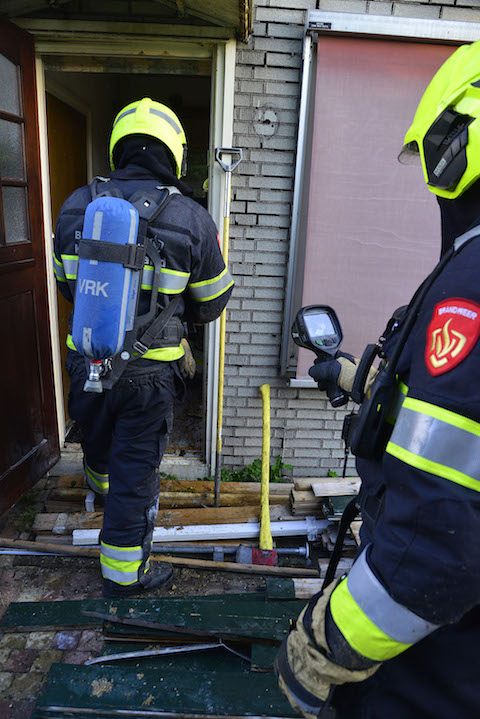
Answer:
(80, 107)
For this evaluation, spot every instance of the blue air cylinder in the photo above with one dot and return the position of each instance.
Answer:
(105, 295)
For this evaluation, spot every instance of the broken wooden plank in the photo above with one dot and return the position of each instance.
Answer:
(212, 532)
(65, 523)
(336, 487)
(210, 694)
(29, 616)
(330, 486)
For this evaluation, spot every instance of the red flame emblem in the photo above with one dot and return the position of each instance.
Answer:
(451, 335)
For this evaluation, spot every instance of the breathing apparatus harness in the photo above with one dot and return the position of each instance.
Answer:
(148, 329)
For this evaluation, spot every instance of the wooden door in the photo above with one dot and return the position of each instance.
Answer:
(29, 437)
(67, 138)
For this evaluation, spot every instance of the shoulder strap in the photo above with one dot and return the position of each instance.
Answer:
(104, 187)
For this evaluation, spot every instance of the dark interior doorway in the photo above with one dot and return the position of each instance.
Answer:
(80, 108)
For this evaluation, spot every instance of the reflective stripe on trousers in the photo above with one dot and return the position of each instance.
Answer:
(96, 481)
(374, 624)
(121, 564)
(437, 441)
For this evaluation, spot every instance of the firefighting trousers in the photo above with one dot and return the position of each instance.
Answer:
(125, 433)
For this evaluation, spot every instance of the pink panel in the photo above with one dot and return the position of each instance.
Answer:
(373, 228)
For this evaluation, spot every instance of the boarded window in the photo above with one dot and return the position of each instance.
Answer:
(373, 229)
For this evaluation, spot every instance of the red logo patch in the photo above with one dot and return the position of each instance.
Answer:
(451, 335)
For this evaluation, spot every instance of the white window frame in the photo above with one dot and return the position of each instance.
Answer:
(318, 23)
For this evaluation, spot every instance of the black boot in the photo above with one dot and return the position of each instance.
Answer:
(160, 576)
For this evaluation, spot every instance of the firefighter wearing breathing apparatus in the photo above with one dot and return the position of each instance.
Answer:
(183, 280)
(398, 637)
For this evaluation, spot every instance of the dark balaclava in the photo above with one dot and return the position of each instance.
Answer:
(459, 215)
(151, 156)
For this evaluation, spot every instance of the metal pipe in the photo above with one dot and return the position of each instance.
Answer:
(228, 169)
(232, 549)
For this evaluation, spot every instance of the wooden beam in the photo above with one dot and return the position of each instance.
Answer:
(138, 29)
(129, 65)
(183, 485)
(64, 523)
(174, 561)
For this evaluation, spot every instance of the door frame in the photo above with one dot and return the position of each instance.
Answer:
(222, 51)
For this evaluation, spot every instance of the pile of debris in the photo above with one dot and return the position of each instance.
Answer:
(168, 656)
(303, 514)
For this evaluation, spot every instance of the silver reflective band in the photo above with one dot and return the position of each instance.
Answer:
(473, 232)
(122, 555)
(70, 266)
(58, 270)
(204, 291)
(168, 282)
(437, 441)
(119, 577)
(168, 119)
(123, 114)
(392, 618)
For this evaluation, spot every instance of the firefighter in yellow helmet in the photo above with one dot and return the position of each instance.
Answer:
(398, 637)
(125, 428)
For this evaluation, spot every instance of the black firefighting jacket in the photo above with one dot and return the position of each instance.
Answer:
(413, 594)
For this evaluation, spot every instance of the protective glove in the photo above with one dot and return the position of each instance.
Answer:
(340, 371)
(306, 675)
(187, 364)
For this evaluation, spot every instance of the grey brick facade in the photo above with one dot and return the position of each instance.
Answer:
(305, 431)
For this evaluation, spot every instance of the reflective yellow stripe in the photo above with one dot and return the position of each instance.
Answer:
(438, 441)
(164, 354)
(119, 572)
(100, 481)
(212, 288)
(70, 266)
(359, 631)
(440, 470)
(120, 564)
(123, 554)
(217, 294)
(58, 270)
(160, 354)
(172, 282)
(445, 415)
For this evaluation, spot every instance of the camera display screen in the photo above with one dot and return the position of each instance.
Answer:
(319, 325)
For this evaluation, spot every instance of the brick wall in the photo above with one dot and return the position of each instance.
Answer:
(305, 431)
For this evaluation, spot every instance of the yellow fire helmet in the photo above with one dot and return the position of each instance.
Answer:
(446, 128)
(147, 117)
